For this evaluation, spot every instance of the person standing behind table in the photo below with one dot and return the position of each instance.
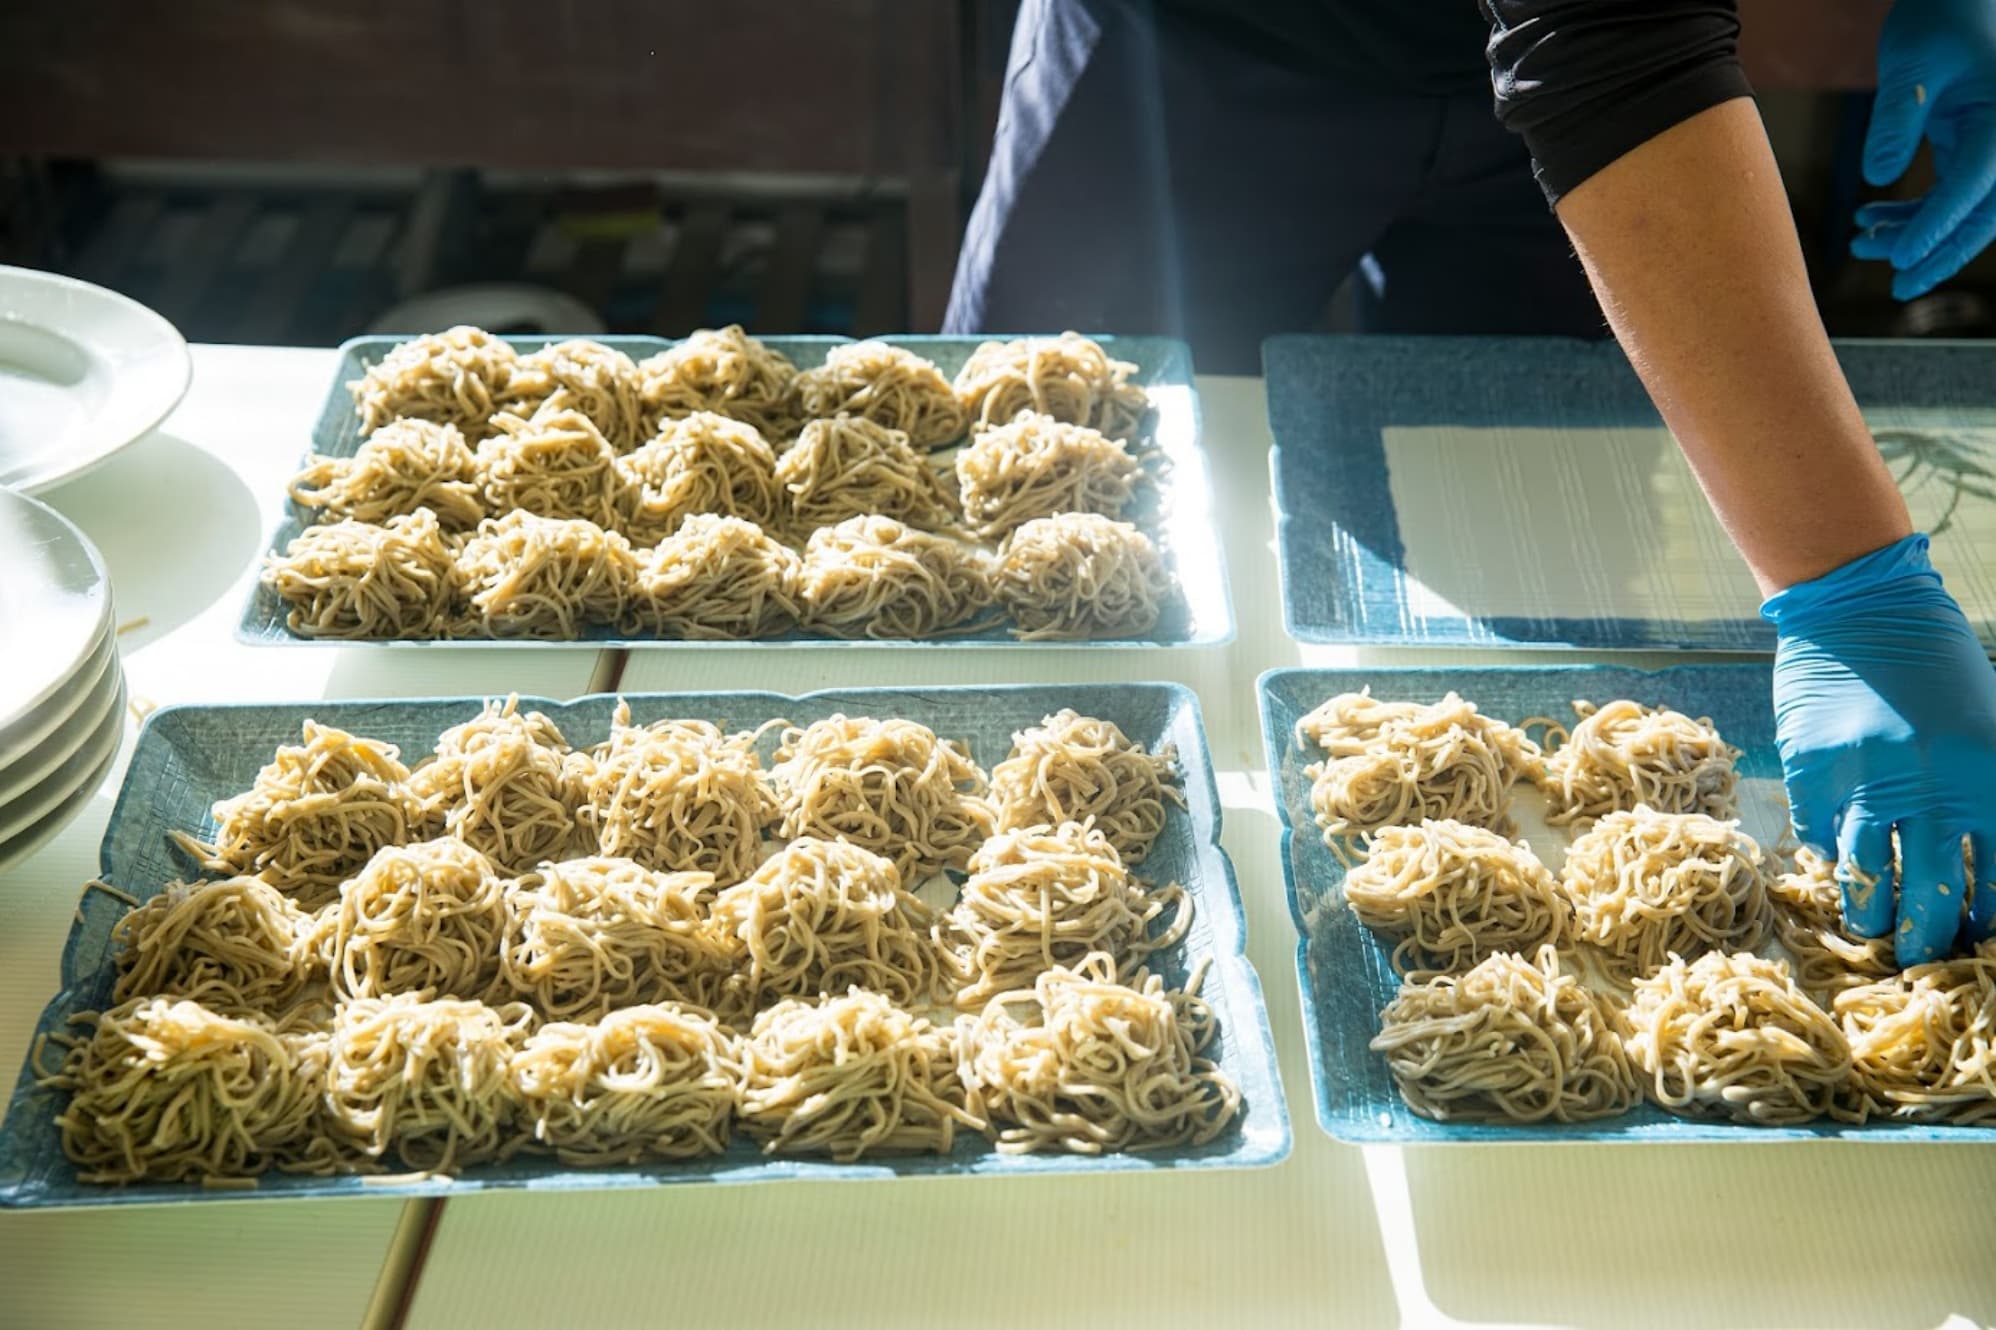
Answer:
(1214, 170)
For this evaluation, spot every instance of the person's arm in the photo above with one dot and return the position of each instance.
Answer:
(1885, 704)
(1688, 243)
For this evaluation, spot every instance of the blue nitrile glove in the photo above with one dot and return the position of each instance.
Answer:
(1936, 79)
(1885, 714)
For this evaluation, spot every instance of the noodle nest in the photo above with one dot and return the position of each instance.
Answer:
(1923, 1043)
(723, 370)
(849, 466)
(679, 795)
(427, 918)
(698, 464)
(240, 934)
(1080, 575)
(887, 385)
(1068, 377)
(1646, 887)
(405, 465)
(1036, 466)
(554, 463)
(1730, 1035)
(875, 577)
(1624, 754)
(1075, 768)
(362, 580)
(507, 785)
(530, 576)
(1453, 895)
(1511, 1040)
(715, 578)
(598, 381)
(456, 377)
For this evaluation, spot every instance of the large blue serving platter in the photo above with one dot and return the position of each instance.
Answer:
(188, 757)
(1177, 511)
(1623, 532)
(1345, 970)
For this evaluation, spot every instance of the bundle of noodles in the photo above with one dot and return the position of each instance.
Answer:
(529, 576)
(1080, 575)
(1074, 768)
(887, 385)
(1648, 886)
(239, 934)
(1454, 894)
(873, 577)
(363, 580)
(1923, 1043)
(822, 916)
(507, 785)
(1068, 377)
(849, 466)
(679, 795)
(587, 936)
(314, 816)
(648, 1082)
(1036, 466)
(851, 1076)
(455, 377)
(424, 1080)
(726, 371)
(1098, 1065)
(171, 1089)
(1730, 1035)
(702, 463)
(1047, 897)
(406, 465)
(1510, 1041)
(1624, 754)
(890, 786)
(1808, 921)
(427, 918)
(596, 380)
(554, 464)
(715, 577)
(1395, 762)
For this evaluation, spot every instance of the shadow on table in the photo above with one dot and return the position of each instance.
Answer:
(1830, 1234)
(176, 528)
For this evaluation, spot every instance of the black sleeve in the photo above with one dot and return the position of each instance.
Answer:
(1584, 81)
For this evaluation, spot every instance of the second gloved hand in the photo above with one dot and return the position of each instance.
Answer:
(1936, 80)
(1885, 714)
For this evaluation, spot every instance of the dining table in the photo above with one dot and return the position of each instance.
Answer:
(1830, 1232)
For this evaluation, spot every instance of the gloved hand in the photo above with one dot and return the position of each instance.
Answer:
(1937, 79)
(1885, 715)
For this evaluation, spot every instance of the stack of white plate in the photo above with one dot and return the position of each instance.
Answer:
(62, 691)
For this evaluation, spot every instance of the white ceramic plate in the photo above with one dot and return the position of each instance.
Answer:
(27, 842)
(74, 772)
(88, 707)
(23, 736)
(83, 372)
(55, 604)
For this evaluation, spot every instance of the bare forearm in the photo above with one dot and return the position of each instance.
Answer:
(1690, 247)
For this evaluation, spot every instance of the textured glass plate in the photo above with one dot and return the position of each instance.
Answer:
(187, 757)
(1345, 970)
(1491, 492)
(1176, 512)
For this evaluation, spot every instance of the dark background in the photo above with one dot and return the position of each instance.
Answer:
(292, 171)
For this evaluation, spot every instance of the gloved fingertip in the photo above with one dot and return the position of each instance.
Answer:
(1981, 890)
(1864, 871)
(1866, 245)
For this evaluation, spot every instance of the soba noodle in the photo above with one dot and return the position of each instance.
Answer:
(1052, 896)
(1512, 1040)
(1454, 894)
(1036, 466)
(1923, 1043)
(702, 463)
(1808, 922)
(454, 377)
(1648, 886)
(587, 936)
(825, 915)
(597, 380)
(679, 795)
(889, 786)
(715, 577)
(851, 1076)
(887, 385)
(1730, 1035)
(507, 785)
(529, 576)
(238, 933)
(1068, 377)
(552, 464)
(1624, 754)
(406, 465)
(645, 1082)
(427, 918)
(849, 466)
(725, 371)
(874, 577)
(1080, 575)
(363, 580)
(1075, 768)
(1097, 1065)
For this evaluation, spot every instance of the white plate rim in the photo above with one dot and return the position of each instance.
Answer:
(47, 715)
(13, 852)
(46, 473)
(89, 709)
(22, 813)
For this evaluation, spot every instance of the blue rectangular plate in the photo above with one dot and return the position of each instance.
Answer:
(1176, 512)
(1345, 971)
(188, 757)
(1345, 575)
